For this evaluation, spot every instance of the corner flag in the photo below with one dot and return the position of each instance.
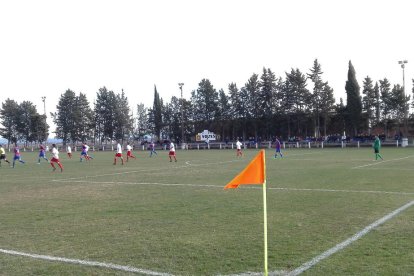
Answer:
(254, 173)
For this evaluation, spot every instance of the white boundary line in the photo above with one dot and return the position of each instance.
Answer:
(343, 191)
(83, 262)
(376, 163)
(347, 242)
(250, 187)
(145, 170)
(390, 169)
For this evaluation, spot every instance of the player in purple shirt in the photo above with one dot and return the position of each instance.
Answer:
(278, 146)
(17, 156)
(42, 154)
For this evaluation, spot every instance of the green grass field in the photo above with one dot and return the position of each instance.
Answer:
(175, 218)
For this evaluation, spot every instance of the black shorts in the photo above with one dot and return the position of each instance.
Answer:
(2, 156)
(376, 150)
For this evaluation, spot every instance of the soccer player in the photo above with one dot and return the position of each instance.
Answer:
(278, 150)
(42, 154)
(152, 148)
(87, 152)
(84, 153)
(17, 155)
(118, 153)
(3, 155)
(55, 158)
(171, 154)
(377, 146)
(69, 151)
(238, 147)
(129, 152)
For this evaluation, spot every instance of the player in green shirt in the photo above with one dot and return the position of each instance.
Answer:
(377, 146)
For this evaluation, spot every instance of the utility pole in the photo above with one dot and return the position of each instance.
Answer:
(402, 63)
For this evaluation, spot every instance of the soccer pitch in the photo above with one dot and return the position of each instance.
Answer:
(330, 212)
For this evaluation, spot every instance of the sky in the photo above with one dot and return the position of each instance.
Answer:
(49, 46)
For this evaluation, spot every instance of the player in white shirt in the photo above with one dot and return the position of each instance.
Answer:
(87, 152)
(238, 147)
(118, 153)
(69, 151)
(129, 152)
(171, 154)
(55, 158)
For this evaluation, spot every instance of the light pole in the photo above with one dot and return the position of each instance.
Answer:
(182, 112)
(402, 63)
(44, 104)
(44, 111)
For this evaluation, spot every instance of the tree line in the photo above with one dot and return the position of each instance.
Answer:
(296, 105)
(22, 122)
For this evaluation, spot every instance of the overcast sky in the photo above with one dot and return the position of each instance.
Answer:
(49, 46)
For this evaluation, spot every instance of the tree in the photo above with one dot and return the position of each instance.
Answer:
(412, 104)
(240, 108)
(83, 119)
(105, 105)
(377, 103)
(63, 117)
(386, 102)
(204, 101)
(252, 87)
(155, 114)
(339, 118)
(74, 118)
(326, 105)
(399, 102)
(297, 97)
(223, 112)
(40, 129)
(26, 125)
(141, 127)
(123, 121)
(267, 88)
(353, 100)
(172, 118)
(9, 120)
(318, 85)
(368, 102)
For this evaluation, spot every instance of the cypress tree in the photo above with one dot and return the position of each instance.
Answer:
(353, 101)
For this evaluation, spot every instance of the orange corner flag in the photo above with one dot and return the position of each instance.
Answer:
(254, 173)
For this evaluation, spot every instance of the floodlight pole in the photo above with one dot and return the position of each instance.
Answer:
(182, 112)
(44, 112)
(402, 63)
(44, 104)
